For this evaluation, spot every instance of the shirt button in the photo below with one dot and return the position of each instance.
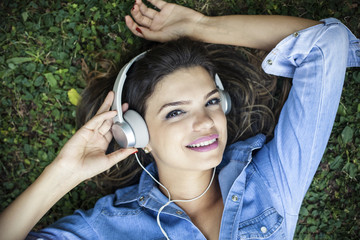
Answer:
(296, 34)
(269, 61)
(234, 198)
(178, 212)
(141, 199)
(263, 229)
(357, 52)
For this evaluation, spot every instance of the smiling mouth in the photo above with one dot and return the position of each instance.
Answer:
(205, 144)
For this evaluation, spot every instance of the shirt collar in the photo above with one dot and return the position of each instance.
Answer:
(141, 191)
(236, 151)
(147, 190)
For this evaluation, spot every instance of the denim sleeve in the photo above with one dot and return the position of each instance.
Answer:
(316, 58)
(73, 227)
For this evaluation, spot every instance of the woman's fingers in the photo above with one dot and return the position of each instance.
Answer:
(140, 18)
(121, 154)
(107, 103)
(147, 12)
(124, 107)
(97, 121)
(133, 26)
(157, 3)
(144, 32)
(108, 136)
(105, 127)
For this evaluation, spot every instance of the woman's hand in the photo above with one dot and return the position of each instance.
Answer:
(170, 23)
(174, 21)
(82, 157)
(84, 154)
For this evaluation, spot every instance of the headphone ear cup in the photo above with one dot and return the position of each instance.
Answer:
(139, 128)
(225, 101)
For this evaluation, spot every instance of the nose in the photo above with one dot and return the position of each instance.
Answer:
(202, 121)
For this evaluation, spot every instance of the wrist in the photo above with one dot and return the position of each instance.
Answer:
(195, 26)
(62, 177)
(206, 30)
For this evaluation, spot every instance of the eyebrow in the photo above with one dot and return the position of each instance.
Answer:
(178, 103)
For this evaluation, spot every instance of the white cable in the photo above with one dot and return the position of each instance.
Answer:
(169, 196)
(152, 175)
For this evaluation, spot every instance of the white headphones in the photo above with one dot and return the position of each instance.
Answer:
(130, 130)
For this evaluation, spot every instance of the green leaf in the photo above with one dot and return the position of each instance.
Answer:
(74, 96)
(8, 185)
(341, 110)
(350, 169)
(61, 71)
(336, 163)
(48, 142)
(5, 73)
(25, 16)
(54, 29)
(31, 67)
(307, 237)
(12, 66)
(347, 134)
(56, 114)
(313, 229)
(304, 212)
(356, 77)
(51, 79)
(38, 81)
(19, 60)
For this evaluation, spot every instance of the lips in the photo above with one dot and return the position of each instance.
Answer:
(204, 144)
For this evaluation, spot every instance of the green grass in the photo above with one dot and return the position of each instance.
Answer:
(43, 45)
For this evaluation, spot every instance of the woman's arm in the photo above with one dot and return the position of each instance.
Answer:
(82, 157)
(20, 217)
(316, 59)
(174, 21)
(254, 31)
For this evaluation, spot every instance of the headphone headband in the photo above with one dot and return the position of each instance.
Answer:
(118, 86)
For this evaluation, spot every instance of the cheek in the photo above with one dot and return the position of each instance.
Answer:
(221, 125)
(166, 136)
(224, 122)
(220, 119)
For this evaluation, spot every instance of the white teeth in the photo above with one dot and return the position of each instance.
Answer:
(202, 144)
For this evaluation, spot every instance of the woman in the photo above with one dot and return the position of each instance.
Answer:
(258, 190)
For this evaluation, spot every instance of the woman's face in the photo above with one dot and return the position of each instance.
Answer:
(186, 124)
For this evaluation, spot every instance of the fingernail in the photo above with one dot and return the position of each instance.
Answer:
(133, 8)
(135, 152)
(139, 30)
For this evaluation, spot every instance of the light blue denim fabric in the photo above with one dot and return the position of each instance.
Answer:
(262, 191)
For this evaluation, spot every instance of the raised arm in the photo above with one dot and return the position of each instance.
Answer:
(82, 157)
(174, 21)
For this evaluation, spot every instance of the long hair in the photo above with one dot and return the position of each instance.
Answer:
(254, 108)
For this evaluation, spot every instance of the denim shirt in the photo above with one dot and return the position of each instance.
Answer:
(263, 191)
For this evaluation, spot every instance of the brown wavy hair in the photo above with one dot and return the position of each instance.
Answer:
(256, 97)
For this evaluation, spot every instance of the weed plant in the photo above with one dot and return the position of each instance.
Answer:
(45, 45)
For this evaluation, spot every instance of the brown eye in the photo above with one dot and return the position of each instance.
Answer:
(214, 101)
(174, 113)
